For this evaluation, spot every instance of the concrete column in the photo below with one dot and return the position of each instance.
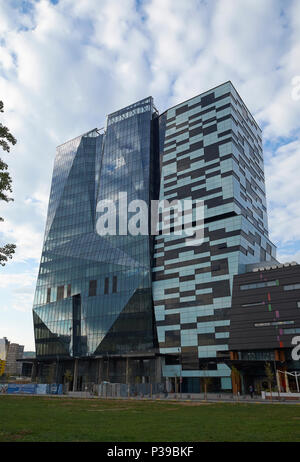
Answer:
(127, 370)
(33, 371)
(75, 376)
(242, 384)
(99, 379)
(176, 384)
(287, 388)
(278, 380)
(107, 370)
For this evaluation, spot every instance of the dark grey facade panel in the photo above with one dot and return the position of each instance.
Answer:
(261, 317)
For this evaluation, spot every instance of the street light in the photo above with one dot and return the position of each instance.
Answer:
(57, 361)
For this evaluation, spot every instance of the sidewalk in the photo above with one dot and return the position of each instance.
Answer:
(212, 398)
(199, 399)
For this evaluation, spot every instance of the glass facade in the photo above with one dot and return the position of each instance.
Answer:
(93, 293)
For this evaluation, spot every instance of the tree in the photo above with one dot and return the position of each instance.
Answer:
(206, 381)
(270, 376)
(235, 378)
(6, 138)
(68, 377)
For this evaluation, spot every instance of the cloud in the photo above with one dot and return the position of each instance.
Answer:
(27, 239)
(286, 257)
(17, 291)
(283, 189)
(13, 279)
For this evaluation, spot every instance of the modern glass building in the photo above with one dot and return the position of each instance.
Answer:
(125, 306)
(93, 296)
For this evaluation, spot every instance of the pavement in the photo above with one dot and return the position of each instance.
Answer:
(242, 399)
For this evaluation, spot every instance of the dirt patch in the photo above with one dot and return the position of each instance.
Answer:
(18, 435)
(109, 410)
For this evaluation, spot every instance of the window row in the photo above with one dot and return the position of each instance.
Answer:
(60, 294)
(275, 323)
(258, 285)
(291, 287)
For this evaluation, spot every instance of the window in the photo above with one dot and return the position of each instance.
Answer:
(258, 355)
(48, 294)
(269, 249)
(253, 304)
(172, 360)
(291, 331)
(114, 287)
(69, 290)
(291, 287)
(60, 293)
(275, 323)
(93, 288)
(250, 250)
(263, 255)
(258, 285)
(106, 285)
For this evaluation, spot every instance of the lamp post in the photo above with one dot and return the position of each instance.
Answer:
(180, 378)
(57, 362)
(296, 377)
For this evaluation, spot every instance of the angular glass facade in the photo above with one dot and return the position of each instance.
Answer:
(93, 292)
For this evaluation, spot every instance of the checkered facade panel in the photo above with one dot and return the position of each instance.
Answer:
(211, 151)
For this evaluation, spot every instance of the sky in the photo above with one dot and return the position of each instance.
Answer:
(65, 65)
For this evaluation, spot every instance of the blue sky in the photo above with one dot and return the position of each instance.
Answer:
(65, 64)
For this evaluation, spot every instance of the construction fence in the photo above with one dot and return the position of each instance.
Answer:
(31, 388)
(122, 390)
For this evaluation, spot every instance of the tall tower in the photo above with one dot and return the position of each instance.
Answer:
(94, 296)
(210, 150)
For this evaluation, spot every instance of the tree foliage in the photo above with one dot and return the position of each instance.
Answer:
(68, 376)
(235, 378)
(6, 139)
(269, 373)
(270, 376)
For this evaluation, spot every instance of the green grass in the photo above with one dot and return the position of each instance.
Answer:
(65, 419)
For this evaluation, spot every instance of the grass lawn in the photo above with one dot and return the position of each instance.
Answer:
(65, 419)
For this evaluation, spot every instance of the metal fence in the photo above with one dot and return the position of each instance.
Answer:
(122, 390)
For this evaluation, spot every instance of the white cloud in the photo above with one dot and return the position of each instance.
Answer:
(20, 287)
(20, 279)
(283, 189)
(287, 257)
(27, 239)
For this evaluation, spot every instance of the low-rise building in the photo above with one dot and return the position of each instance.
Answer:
(264, 320)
